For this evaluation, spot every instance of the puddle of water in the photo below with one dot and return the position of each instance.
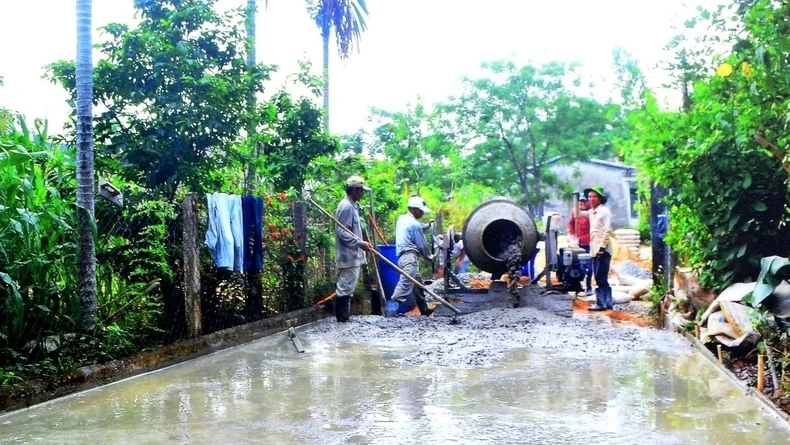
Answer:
(265, 392)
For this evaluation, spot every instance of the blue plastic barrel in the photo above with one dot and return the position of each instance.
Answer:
(529, 268)
(389, 276)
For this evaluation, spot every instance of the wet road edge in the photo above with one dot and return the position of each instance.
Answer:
(761, 399)
(26, 394)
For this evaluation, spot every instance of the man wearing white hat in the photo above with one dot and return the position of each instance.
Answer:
(350, 250)
(410, 243)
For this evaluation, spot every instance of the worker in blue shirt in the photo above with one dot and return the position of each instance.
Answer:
(410, 244)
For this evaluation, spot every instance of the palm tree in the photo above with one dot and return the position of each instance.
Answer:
(347, 18)
(86, 263)
(251, 48)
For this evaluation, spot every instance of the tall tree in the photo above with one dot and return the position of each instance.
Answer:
(519, 119)
(347, 18)
(87, 247)
(252, 8)
(414, 141)
(175, 91)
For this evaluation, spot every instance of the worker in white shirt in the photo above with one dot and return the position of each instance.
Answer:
(601, 250)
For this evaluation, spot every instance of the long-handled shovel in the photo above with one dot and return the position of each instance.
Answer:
(379, 285)
(386, 260)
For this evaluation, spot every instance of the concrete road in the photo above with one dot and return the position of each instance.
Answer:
(498, 376)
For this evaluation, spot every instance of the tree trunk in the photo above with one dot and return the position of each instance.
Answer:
(86, 263)
(659, 225)
(251, 48)
(522, 181)
(191, 258)
(325, 36)
(538, 186)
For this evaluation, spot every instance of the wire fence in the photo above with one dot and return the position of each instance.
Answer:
(141, 268)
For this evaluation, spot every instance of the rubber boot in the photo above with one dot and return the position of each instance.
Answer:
(609, 299)
(423, 305)
(342, 309)
(600, 300)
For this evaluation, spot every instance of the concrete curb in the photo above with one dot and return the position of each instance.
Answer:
(33, 392)
(764, 401)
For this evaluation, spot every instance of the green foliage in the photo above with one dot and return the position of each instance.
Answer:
(773, 271)
(37, 250)
(175, 92)
(294, 138)
(134, 260)
(720, 158)
(414, 142)
(346, 17)
(519, 120)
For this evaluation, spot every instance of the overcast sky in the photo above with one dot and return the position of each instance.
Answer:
(413, 48)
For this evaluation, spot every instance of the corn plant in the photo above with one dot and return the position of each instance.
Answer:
(37, 252)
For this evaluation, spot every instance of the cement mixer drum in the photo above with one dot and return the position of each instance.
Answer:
(492, 228)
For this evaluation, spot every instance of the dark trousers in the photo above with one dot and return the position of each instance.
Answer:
(603, 292)
(252, 216)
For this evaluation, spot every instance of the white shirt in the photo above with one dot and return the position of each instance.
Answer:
(600, 228)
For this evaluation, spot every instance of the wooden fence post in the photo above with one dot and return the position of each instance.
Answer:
(192, 310)
(300, 238)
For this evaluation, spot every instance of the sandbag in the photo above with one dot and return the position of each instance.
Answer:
(779, 301)
(640, 289)
(626, 232)
(717, 324)
(736, 292)
(750, 338)
(738, 316)
(621, 297)
(628, 280)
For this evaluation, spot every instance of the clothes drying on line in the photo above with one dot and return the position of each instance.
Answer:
(232, 244)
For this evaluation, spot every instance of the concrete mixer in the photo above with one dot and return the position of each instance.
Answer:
(499, 235)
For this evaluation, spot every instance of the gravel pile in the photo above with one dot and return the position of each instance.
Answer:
(484, 338)
(634, 270)
(438, 285)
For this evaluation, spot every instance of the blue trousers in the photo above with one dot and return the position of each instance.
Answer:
(603, 292)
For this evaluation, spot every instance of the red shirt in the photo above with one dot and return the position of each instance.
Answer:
(582, 231)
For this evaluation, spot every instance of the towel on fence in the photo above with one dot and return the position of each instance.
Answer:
(225, 233)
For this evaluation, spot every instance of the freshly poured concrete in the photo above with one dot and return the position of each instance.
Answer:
(501, 376)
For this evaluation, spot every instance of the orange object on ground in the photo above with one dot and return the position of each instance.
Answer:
(325, 300)
(582, 307)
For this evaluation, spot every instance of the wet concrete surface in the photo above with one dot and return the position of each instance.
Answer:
(498, 296)
(499, 376)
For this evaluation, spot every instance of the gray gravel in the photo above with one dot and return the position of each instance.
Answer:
(634, 270)
(484, 338)
(438, 285)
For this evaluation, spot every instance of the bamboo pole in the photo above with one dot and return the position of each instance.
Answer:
(376, 227)
(760, 372)
(372, 236)
(721, 355)
(386, 260)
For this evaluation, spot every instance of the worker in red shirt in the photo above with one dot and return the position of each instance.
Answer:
(579, 233)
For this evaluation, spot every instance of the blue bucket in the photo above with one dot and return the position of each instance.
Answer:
(389, 276)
